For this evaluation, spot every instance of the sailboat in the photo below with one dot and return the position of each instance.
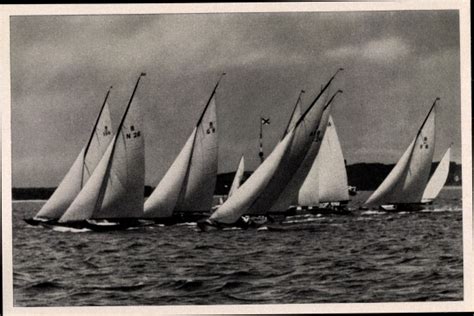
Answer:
(236, 182)
(325, 187)
(437, 180)
(186, 191)
(290, 194)
(80, 171)
(404, 186)
(259, 192)
(113, 196)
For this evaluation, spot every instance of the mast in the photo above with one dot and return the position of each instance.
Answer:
(293, 112)
(210, 98)
(317, 97)
(332, 98)
(427, 115)
(92, 133)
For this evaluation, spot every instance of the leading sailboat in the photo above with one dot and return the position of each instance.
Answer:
(81, 169)
(404, 186)
(113, 196)
(186, 191)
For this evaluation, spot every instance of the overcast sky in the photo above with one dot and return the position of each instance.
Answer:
(396, 64)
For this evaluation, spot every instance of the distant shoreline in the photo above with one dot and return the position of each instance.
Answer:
(364, 176)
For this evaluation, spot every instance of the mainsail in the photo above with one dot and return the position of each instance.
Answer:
(239, 174)
(327, 179)
(82, 167)
(438, 179)
(115, 189)
(189, 183)
(407, 180)
(265, 185)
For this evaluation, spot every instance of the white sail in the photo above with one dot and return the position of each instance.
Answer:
(163, 199)
(115, 189)
(438, 179)
(327, 179)
(238, 204)
(290, 193)
(407, 180)
(82, 167)
(190, 182)
(239, 174)
(200, 181)
(89, 198)
(264, 186)
(124, 191)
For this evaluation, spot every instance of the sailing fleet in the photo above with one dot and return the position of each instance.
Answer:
(104, 188)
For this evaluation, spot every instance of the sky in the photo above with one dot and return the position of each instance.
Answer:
(396, 63)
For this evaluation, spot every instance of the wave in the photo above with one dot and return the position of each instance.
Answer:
(63, 229)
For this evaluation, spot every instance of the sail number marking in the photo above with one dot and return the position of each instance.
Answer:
(211, 128)
(106, 131)
(133, 134)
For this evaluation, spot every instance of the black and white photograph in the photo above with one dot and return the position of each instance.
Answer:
(233, 156)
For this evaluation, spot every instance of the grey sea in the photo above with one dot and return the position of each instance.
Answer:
(369, 256)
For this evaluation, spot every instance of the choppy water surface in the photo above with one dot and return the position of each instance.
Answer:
(366, 257)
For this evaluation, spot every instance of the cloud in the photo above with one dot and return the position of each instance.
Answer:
(380, 51)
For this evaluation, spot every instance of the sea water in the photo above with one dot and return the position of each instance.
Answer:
(369, 256)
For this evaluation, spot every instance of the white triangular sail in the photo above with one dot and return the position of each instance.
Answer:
(438, 179)
(200, 182)
(239, 174)
(163, 199)
(238, 204)
(124, 191)
(115, 189)
(407, 180)
(190, 182)
(264, 186)
(327, 179)
(82, 167)
(289, 195)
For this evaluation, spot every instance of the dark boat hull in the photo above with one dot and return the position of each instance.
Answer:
(99, 226)
(38, 222)
(405, 207)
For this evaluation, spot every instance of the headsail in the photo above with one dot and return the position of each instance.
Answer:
(115, 189)
(407, 180)
(239, 174)
(190, 182)
(438, 179)
(328, 177)
(265, 185)
(82, 167)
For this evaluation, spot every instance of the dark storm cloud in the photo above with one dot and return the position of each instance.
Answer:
(396, 64)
